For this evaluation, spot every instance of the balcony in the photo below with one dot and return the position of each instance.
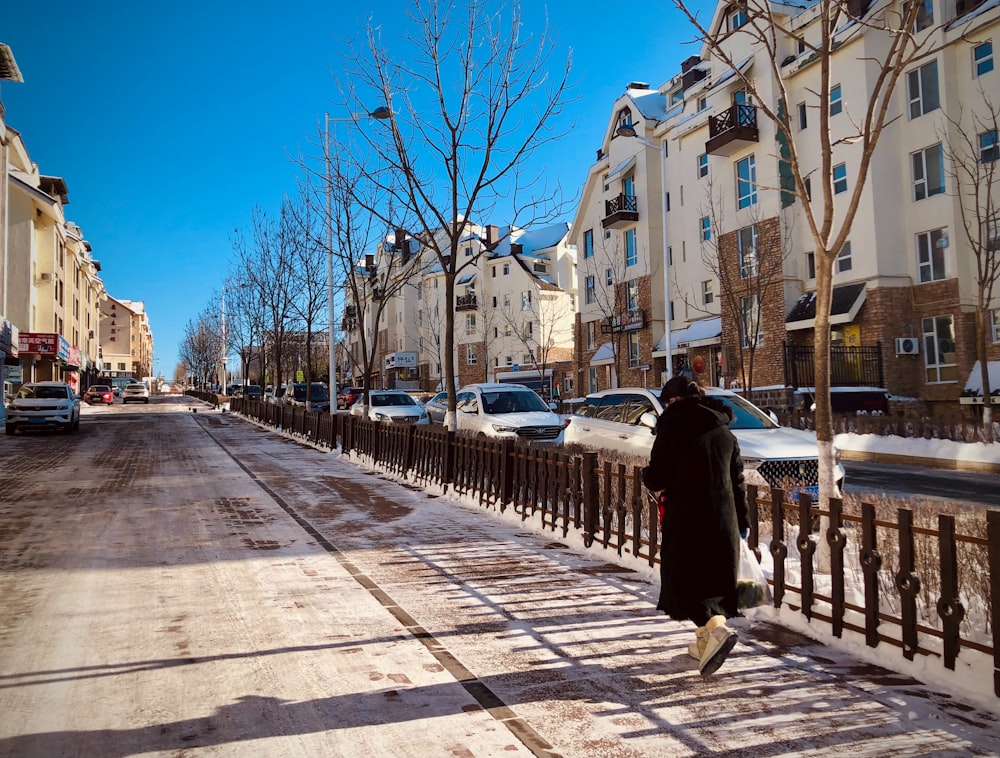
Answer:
(466, 303)
(620, 212)
(732, 130)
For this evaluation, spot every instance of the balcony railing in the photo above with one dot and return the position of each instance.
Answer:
(620, 211)
(850, 366)
(732, 129)
(466, 303)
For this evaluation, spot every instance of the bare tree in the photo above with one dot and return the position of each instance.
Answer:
(894, 48)
(750, 269)
(202, 345)
(972, 156)
(470, 102)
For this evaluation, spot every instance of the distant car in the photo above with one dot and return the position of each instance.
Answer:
(319, 398)
(348, 396)
(252, 392)
(506, 411)
(136, 392)
(392, 406)
(44, 405)
(624, 420)
(99, 393)
(437, 407)
(117, 390)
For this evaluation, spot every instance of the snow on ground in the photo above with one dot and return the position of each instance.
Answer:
(977, 452)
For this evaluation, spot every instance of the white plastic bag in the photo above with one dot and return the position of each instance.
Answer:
(752, 589)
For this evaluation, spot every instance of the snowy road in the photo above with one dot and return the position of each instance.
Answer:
(187, 584)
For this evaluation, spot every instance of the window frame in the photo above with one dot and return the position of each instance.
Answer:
(811, 265)
(839, 178)
(702, 165)
(937, 369)
(746, 187)
(589, 291)
(470, 354)
(802, 111)
(989, 146)
(707, 292)
(706, 228)
(836, 99)
(926, 245)
(750, 317)
(984, 65)
(845, 259)
(634, 349)
(922, 189)
(632, 295)
(748, 258)
(588, 243)
(995, 325)
(925, 100)
(631, 248)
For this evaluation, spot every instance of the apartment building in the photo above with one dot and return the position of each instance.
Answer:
(742, 271)
(514, 304)
(126, 341)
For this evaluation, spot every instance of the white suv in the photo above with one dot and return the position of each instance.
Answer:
(624, 420)
(510, 411)
(137, 391)
(41, 405)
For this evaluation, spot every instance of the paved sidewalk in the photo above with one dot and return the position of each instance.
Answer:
(205, 587)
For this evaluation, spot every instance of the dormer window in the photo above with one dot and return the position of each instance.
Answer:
(676, 96)
(624, 118)
(737, 18)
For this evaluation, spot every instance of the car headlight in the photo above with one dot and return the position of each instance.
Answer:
(423, 414)
(382, 417)
(504, 429)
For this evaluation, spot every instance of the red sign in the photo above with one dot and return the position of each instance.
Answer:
(37, 343)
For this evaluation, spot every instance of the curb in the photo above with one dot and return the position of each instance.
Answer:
(979, 467)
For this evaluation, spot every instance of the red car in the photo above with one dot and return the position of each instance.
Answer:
(348, 396)
(99, 393)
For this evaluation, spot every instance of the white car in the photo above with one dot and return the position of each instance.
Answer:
(506, 411)
(624, 420)
(44, 405)
(135, 392)
(393, 406)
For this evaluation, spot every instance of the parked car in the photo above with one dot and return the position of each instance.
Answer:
(99, 393)
(348, 396)
(624, 420)
(319, 398)
(391, 406)
(506, 411)
(252, 392)
(135, 392)
(437, 407)
(44, 405)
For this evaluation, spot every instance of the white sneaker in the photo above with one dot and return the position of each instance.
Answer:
(721, 640)
(696, 648)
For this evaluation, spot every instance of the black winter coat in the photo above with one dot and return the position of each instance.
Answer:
(696, 461)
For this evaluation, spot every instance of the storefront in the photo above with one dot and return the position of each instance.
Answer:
(47, 357)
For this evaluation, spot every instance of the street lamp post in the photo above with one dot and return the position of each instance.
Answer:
(629, 131)
(382, 112)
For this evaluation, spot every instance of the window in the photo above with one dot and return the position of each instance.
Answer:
(706, 228)
(707, 293)
(939, 349)
(996, 324)
(746, 182)
(420, 291)
(702, 103)
(508, 330)
(844, 262)
(591, 334)
(508, 361)
(749, 322)
(922, 87)
(839, 178)
(470, 323)
(470, 354)
(526, 301)
(609, 277)
(810, 265)
(592, 379)
(988, 150)
(737, 18)
(676, 96)
(930, 255)
(928, 172)
(925, 15)
(506, 301)
(628, 186)
(632, 295)
(588, 243)
(633, 349)
(506, 269)
(982, 57)
(468, 252)
(836, 100)
(590, 295)
(803, 116)
(746, 243)
(631, 255)
(702, 165)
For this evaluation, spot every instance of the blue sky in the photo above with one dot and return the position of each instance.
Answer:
(169, 123)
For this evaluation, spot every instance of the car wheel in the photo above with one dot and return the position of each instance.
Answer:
(11, 429)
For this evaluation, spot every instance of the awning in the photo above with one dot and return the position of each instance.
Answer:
(604, 356)
(707, 331)
(973, 392)
(620, 169)
(847, 301)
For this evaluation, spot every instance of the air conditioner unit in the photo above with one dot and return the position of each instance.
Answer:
(907, 346)
(45, 277)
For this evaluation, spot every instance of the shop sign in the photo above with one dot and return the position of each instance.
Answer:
(8, 339)
(626, 322)
(38, 343)
(401, 360)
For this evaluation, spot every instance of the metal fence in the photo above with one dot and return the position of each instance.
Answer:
(917, 581)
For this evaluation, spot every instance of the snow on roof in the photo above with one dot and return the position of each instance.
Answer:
(651, 104)
(533, 240)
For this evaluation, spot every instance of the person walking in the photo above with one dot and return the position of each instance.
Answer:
(696, 466)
